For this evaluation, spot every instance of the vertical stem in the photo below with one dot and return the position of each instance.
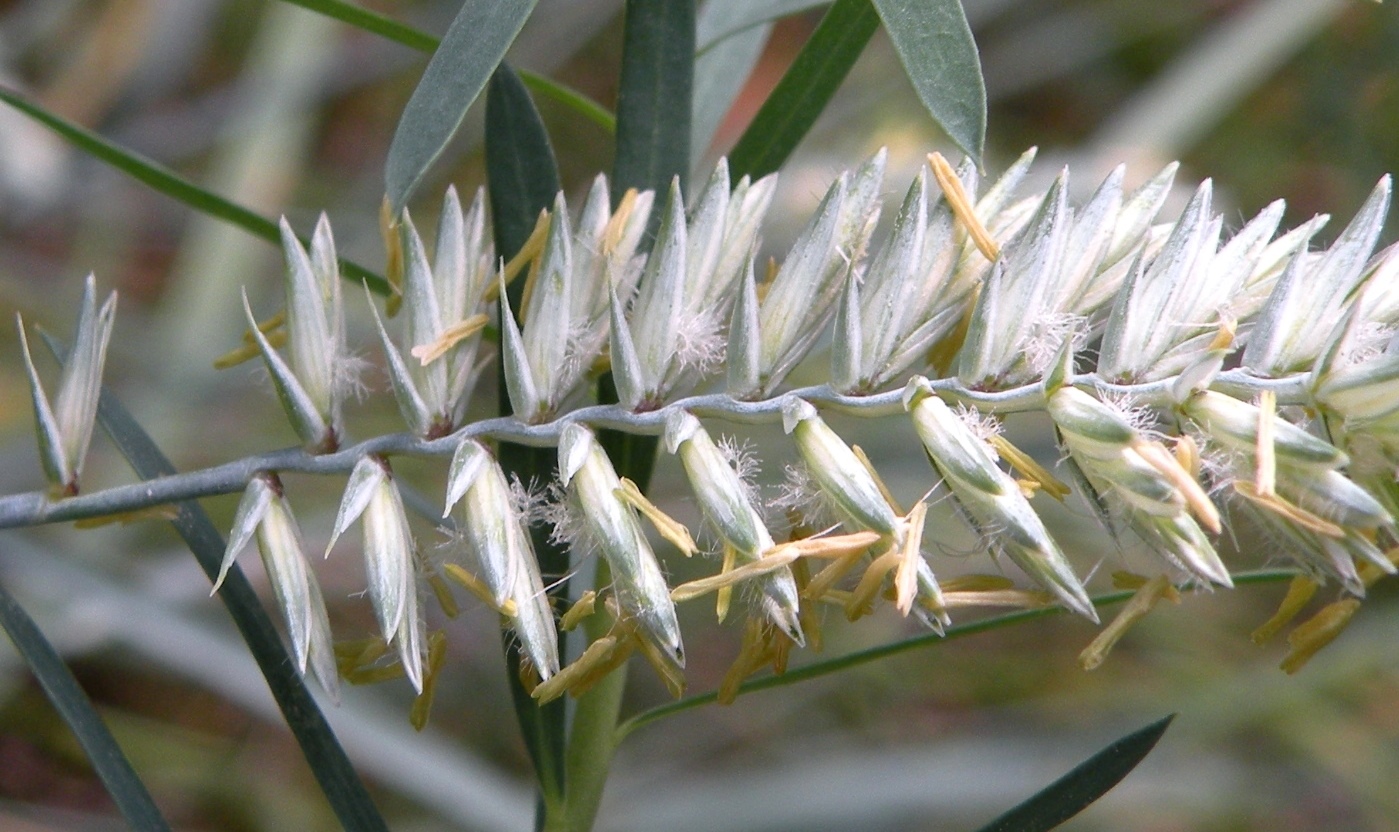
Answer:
(653, 145)
(523, 180)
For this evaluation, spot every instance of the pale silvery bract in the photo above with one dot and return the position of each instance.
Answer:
(312, 380)
(65, 425)
(611, 525)
(432, 394)
(1313, 293)
(371, 495)
(989, 499)
(1109, 452)
(801, 297)
(497, 535)
(566, 306)
(265, 512)
(686, 289)
(728, 505)
(1016, 296)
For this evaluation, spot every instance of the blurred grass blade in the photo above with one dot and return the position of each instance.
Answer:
(732, 17)
(369, 21)
(522, 179)
(653, 97)
(1087, 782)
(331, 767)
(474, 45)
(108, 761)
(166, 181)
(412, 38)
(935, 45)
(722, 69)
(801, 95)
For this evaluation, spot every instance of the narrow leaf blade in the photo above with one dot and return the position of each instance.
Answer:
(108, 761)
(469, 53)
(935, 45)
(804, 90)
(163, 180)
(653, 99)
(1087, 782)
(523, 179)
(327, 760)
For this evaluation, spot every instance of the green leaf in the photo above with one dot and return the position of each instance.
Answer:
(108, 761)
(166, 181)
(406, 35)
(328, 761)
(469, 53)
(653, 97)
(804, 90)
(1087, 782)
(522, 179)
(935, 44)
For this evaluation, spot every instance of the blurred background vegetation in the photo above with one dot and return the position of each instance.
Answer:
(288, 112)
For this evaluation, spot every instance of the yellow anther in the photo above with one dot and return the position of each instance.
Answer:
(807, 614)
(671, 675)
(563, 681)
(436, 660)
(1299, 594)
(1224, 338)
(724, 596)
(351, 656)
(584, 607)
(961, 204)
(828, 577)
(1290, 511)
(617, 224)
(533, 245)
(1030, 469)
(393, 249)
(1187, 453)
(750, 658)
(479, 589)
(443, 593)
(1140, 604)
(1169, 466)
(1317, 632)
(450, 337)
(910, 553)
(164, 512)
(275, 330)
(668, 527)
(861, 601)
(1265, 475)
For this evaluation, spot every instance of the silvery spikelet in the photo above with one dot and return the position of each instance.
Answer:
(265, 512)
(1312, 503)
(371, 495)
(672, 333)
(989, 499)
(568, 297)
(65, 425)
(434, 372)
(1153, 492)
(497, 535)
(611, 525)
(312, 380)
(852, 492)
(728, 505)
(770, 337)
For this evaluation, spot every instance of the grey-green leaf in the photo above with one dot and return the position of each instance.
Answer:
(474, 45)
(108, 761)
(935, 45)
